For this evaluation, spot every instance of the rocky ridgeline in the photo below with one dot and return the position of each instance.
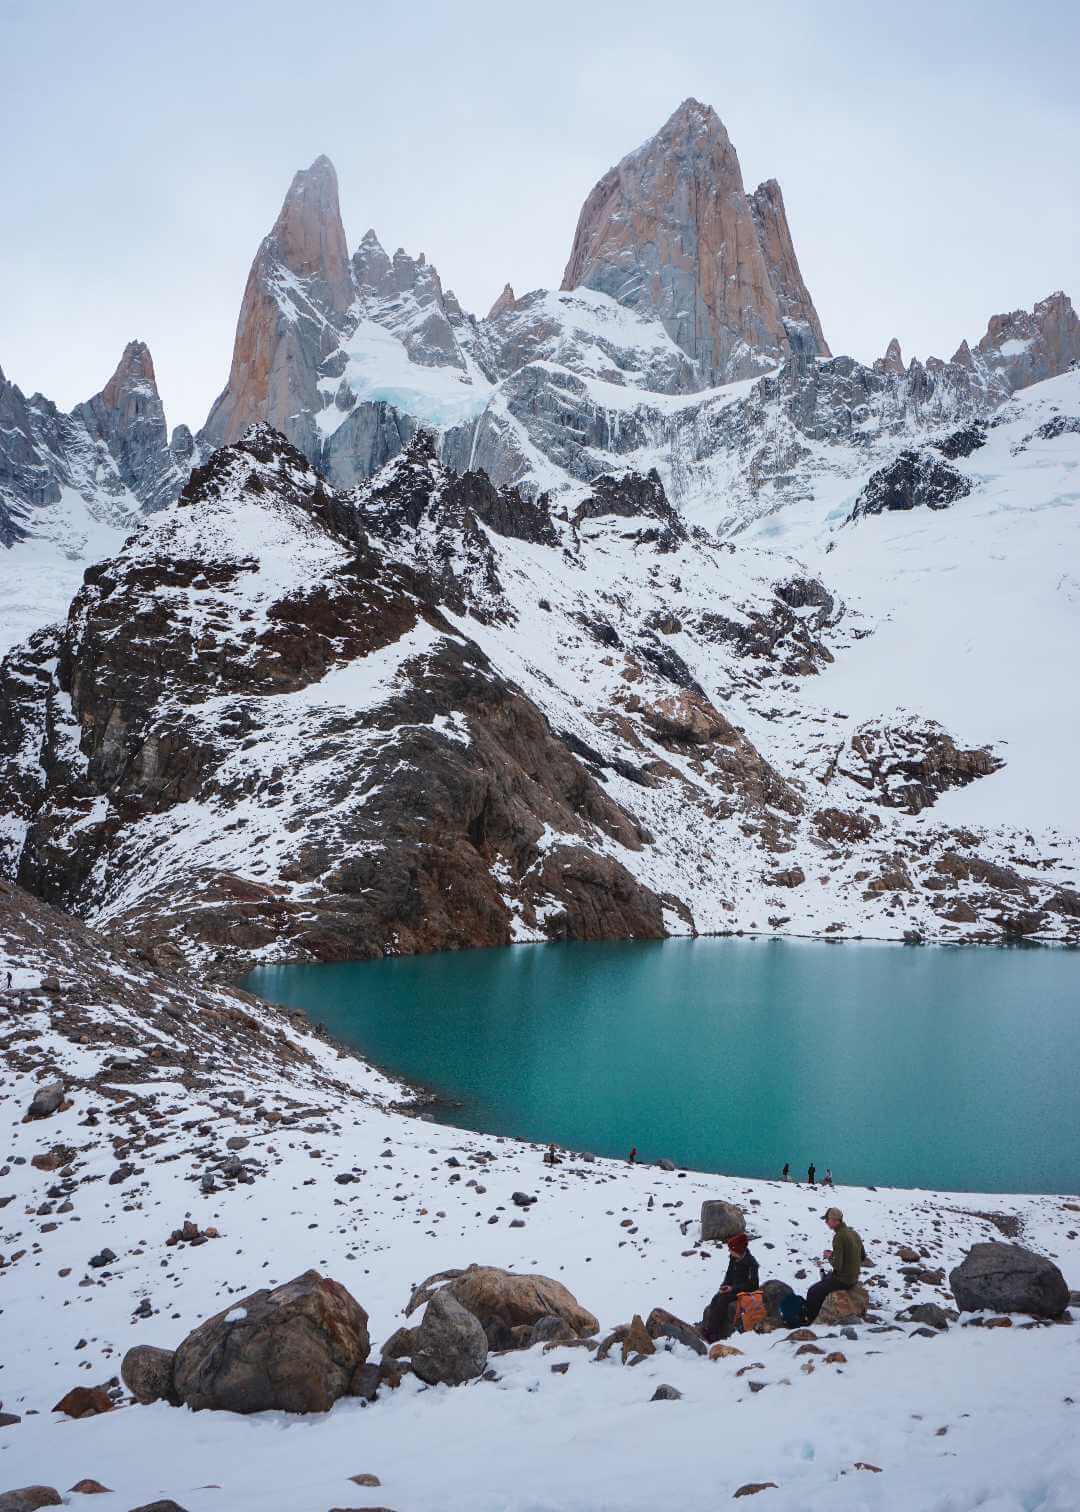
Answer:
(289, 720)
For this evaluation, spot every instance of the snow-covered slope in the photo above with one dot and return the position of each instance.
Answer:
(287, 723)
(159, 1075)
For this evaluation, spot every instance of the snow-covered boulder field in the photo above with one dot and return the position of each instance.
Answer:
(205, 1145)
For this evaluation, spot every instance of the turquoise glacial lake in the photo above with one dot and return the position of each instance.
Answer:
(953, 1069)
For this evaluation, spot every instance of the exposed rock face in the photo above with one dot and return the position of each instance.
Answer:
(670, 231)
(1024, 347)
(506, 301)
(128, 419)
(893, 360)
(113, 451)
(1008, 1278)
(908, 766)
(915, 480)
(294, 1349)
(298, 294)
(431, 795)
(450, 1346)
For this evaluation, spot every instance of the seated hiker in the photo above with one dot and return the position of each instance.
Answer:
(741, 1276)
(847, 1255)
(550, 1156)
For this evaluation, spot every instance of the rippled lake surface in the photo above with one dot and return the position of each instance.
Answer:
(957, 1069)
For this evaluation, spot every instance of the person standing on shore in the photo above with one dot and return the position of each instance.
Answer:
(785, 1174)
(811, 1174)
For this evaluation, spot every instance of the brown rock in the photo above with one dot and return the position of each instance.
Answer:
(91, 1488)
(29, 1498)
(147, 1372)
(365, 1479)
(753, 1487)
(842, 1307)
(502, 1301)
(294, 1349)
(637, 1340)
(84, 1401)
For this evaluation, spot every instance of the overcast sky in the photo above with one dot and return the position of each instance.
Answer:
(928, 155)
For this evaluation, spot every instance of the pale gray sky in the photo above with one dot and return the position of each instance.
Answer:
(928, 154)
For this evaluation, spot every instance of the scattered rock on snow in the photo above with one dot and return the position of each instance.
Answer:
(665, 1393)
(84, 1401)
(47, 1100)
(29, 1498)
(503, 1302)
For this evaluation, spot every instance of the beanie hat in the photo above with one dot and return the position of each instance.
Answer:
(833, 1212)
(737, 1244)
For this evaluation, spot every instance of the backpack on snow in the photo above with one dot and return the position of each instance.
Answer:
(792, 1310)
(750, 1310)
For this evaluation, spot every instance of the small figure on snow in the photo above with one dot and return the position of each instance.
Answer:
(632, 1157)
(785, 1174)
(811, 1173)
(551, 1157)
(827, 1180)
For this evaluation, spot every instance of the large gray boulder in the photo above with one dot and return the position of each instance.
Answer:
(508, 1306)
(29, 1499)
(1007, 1278)
(147, 1372)
(295, 1349)
(719, 1220)
(451, 1346)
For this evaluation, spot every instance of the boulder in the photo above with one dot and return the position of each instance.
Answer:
(29, 1499)
(1007, 1278)
(719, 1220)
(147, 1372)
(90, 1487)
(47, 1099)
(843, 1307)
(294, 1349)
(451, 1346)
(925, 1312)
(551, 1330)
(400, 1344)
(84, 1401)
(160, 1506)
(660, 1324)
(502, 1302)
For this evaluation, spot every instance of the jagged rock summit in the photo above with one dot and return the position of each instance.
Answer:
(298, 293)
(671, 231)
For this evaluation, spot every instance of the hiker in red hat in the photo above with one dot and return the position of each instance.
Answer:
(741, 1276)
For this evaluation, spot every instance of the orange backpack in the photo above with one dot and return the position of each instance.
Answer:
(750, 1310)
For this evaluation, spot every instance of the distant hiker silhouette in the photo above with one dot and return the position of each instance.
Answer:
(785, 1174)
(632, 1157)
(811, 1173)
(827, 1180)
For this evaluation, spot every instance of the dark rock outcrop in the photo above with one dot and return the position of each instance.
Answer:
(1007, 1278)
(719, 1220)
(915, 480)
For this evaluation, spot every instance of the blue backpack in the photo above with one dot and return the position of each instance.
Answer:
(792, 1310)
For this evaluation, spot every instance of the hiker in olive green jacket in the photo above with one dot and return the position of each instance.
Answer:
(847, 1255)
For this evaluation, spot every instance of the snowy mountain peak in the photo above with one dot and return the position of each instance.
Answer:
(893, 360)
(671, 232)
(308, 236)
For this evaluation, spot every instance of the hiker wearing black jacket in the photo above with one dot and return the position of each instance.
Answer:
(741, 1276)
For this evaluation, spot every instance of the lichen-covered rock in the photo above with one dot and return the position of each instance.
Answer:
(843, 1307)
(295, 1349)
(451, 1346)
(503, 1301)
(719, 1220)
(1007, 1278)
(147, 1372)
